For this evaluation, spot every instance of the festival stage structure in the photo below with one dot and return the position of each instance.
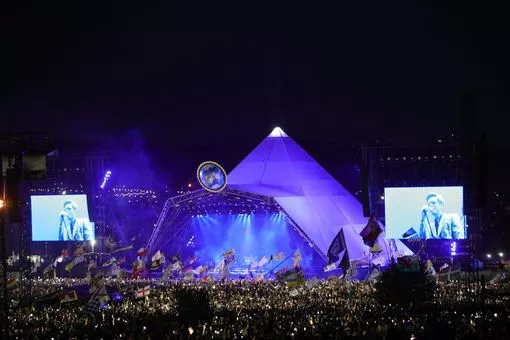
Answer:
(279, 179)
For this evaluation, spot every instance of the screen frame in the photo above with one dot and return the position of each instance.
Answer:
(82, 197)
(391, 226)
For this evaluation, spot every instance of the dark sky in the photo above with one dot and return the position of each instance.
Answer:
(191, 77)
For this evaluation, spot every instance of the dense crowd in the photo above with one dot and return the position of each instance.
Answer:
(241, 309)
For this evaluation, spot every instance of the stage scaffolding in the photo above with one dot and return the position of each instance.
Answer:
(174, 222)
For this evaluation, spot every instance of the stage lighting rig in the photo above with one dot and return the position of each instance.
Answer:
(106, 178)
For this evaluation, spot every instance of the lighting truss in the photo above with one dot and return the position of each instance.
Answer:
(175, 218)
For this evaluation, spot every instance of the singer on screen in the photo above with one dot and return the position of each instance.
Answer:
(435, 223)
(72, 228)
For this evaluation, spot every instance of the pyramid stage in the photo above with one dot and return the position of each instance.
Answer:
(277, 200)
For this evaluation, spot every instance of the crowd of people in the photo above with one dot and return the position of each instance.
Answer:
(244, 309)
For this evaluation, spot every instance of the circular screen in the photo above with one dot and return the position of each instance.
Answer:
(212, 176)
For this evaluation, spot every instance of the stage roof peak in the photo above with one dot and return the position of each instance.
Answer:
(277, 132)
(278, 167)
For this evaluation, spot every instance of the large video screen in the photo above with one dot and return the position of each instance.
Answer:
(425, 213)
(61, 218)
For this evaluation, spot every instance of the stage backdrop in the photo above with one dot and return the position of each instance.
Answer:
(403, 207)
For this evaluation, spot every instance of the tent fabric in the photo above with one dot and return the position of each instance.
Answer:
(278, 167)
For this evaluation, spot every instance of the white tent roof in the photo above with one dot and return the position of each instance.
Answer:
(318, 204)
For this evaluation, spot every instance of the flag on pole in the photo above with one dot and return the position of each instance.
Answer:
(371, 231)
(336, 247)
(122, 249)
(278, 257)
(12, 284)
(229, 258)
(74, 262)
(337, 252)
(376, 248)
(220, 265)
(297, 257)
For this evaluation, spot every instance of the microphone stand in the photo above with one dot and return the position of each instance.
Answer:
(428, 221)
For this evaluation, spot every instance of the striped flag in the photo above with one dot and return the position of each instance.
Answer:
(12, 284)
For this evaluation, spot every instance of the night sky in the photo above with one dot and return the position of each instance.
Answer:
(213, 80)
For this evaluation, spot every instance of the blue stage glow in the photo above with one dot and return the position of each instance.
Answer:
(253, 236)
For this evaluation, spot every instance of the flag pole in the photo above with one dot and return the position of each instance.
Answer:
(279, 264)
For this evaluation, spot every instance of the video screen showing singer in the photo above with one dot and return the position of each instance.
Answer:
(73, 228)
(435, 223)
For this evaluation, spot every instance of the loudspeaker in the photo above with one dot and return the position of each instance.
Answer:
(365, 192)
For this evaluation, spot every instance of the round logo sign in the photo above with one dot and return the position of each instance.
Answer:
(212, 176)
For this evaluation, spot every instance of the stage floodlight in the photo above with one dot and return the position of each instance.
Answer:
(106, 178)
(453, 249)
